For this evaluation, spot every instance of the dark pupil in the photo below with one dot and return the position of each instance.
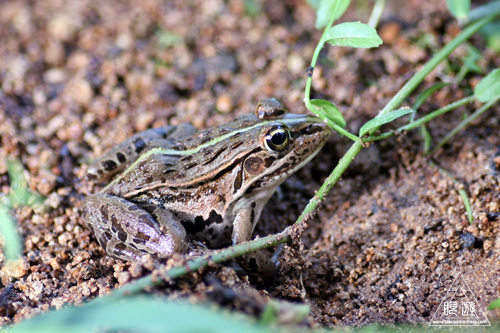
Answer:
(278, 138)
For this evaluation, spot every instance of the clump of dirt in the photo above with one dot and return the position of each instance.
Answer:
(77, 78)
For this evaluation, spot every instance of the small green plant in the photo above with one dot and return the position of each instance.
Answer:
(359, 35)
(494, 305)
(19, 195)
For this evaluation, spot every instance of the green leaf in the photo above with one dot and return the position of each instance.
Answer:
(489, 87)
(494, 305)
(383, 119)
(253, 8)
(422, 97)
(325, 9)
(427, 138)
(19, 191)
(294, 313)
(491, 32)
(328, 110)
(167, 39)
(353, 34)
(19, 195)
(138, 314)
(459, 8)
(313, 3)
(471, 60)
(12, 243)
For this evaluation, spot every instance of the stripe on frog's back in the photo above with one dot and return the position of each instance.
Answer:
(183, 152)
(193, 145)
(206, 178)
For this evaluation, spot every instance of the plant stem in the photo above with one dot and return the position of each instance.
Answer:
(330, 181)
(464, 123)
(338, 128)
(317, 50)
(378, 8)
(423, 120)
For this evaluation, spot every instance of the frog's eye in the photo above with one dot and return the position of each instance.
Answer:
(277, 139)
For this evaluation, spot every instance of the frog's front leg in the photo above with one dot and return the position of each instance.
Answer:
(129, 231)
(256, 264)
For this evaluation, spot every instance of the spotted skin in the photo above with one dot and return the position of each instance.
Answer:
(176, 184)
(120, 156)
(137, 232)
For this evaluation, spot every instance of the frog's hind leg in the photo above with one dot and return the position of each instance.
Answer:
(128, 231)
(127, 152)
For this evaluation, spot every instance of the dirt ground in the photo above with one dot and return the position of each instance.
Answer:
(77, 77)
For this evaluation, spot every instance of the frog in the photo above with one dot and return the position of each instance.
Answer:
(172, 185)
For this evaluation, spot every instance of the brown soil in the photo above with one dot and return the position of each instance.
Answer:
(77, 77)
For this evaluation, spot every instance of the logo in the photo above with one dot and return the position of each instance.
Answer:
(459, 307)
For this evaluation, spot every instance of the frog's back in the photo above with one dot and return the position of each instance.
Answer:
(122, 155)
(190, 162)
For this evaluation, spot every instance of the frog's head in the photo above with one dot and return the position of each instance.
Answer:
(283, 142)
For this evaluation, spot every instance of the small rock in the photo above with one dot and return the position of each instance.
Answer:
(224, 103)
(122, 277)
(493, 207)
(62, 27)
(135, 270)
(80, 91)
(144, 120)
(55, 76)
(124, 41)
(47, 182)
(295, 63)
(16, 268)
(389, 32)
(37, 219)
(18, 67)
(467, 239)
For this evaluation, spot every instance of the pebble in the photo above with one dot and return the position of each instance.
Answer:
(55, 76)
(295, 63)
(80, 91)
(16, 268)
(53, 200)
(389, 32)
(62, 27)
(224, 103)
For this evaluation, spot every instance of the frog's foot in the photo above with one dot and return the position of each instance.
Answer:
(129, 231)
(258, 266)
